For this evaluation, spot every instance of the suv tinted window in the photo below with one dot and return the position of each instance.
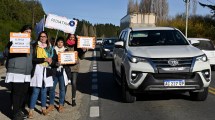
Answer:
(156, 37)
(205, 45)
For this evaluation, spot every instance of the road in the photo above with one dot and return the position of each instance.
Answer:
(156, 106)
(95, 79)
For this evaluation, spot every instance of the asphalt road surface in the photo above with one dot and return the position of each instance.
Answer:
(154, 106)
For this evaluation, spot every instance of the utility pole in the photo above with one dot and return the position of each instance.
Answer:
(187, 14)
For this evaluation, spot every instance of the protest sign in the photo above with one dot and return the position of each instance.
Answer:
(68, 57)
(20, 42)
(86, 42)
(61, 23)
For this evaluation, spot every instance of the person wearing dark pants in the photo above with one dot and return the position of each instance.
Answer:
(18, 74)
(71, 44)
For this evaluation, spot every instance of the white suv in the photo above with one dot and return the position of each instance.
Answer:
(159, 59)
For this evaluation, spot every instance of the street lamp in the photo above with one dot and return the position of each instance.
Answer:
(187, 14)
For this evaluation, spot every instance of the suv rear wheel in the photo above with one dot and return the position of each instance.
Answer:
(199, 96)
(126, 94)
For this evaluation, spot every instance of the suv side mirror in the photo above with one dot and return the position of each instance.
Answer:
(119, 44)
(194, 43)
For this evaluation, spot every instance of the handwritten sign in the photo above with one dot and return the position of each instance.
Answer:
(21, 42)
(68, 57)
(86, 42)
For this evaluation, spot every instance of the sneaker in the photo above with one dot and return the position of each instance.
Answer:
(60, 108)
(18, 116)
(69, 82)
(73, 103)
(50, 108)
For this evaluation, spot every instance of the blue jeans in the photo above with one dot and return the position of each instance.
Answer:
(58, 78)
(34, 96)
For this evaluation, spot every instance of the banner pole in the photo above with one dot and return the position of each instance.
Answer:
(56, 37)
(44, 22)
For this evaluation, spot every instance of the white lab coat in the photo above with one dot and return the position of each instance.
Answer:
(40, 76)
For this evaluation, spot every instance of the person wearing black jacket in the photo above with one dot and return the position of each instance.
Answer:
(62, 75)
(44, 60)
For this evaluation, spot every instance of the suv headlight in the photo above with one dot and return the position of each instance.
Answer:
(202, 58)
(106, 49)
(135, 59)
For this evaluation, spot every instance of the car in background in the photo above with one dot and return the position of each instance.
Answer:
(99, 41)
(207, 46)
(2, 59)
(106, 48)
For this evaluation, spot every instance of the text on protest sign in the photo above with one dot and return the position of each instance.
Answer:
(20, 42)
(86, 42)
(61, 23)
(68, 57)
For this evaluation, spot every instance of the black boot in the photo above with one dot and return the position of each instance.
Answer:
(18, 116)
(73, 103)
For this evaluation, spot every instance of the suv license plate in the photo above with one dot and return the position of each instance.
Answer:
(174, 82)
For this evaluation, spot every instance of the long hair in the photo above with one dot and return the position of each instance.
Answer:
(47, 41)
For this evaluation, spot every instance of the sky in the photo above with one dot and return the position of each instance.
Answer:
(106, 11)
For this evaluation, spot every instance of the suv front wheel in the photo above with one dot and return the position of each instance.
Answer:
(199, 96)
(126, 94)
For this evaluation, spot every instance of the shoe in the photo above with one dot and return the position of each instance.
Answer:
(60, 108)
(45, 112)
(18, 116)
(73, 103)
(30, 114)
(50, 108)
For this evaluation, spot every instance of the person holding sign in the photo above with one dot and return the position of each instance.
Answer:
(18, 74)
(44, 59)
(62, 74)
(72, 46)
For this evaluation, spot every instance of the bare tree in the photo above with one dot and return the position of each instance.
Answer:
(194, 2)
(131, 7)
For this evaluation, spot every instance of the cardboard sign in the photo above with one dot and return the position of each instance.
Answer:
(21, 42)
(61, 23)
(68, 57)
(86, 42)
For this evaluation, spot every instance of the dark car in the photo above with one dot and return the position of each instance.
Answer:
(2, 59)
(106, 48)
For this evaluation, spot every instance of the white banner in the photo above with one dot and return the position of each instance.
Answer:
(21, 42)
(61, 23)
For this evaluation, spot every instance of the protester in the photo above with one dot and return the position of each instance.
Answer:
(18, 74)
(63, 73)
(72, 46)
(44, 59)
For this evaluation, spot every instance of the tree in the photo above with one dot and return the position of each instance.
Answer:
(131, 7)
(91, 31)
(84, 30)
(212, 7)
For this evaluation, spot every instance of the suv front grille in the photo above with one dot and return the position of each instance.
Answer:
(173, 75)
(163, 62)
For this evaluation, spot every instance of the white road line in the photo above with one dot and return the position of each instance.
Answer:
(94, 80)
(95, 67)
(94, 96)
(94, 111)
(94, 75)
(94, 70)
(94, 87)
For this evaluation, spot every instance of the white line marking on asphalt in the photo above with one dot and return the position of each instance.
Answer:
(94, 111)
(94, 87)
(94, 67)
(94, 80)
(94, 75)
(94, 96)
(94, 70)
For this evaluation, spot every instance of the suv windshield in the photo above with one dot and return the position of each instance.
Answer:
(205, 45)
(108, 41)
(156, 38)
